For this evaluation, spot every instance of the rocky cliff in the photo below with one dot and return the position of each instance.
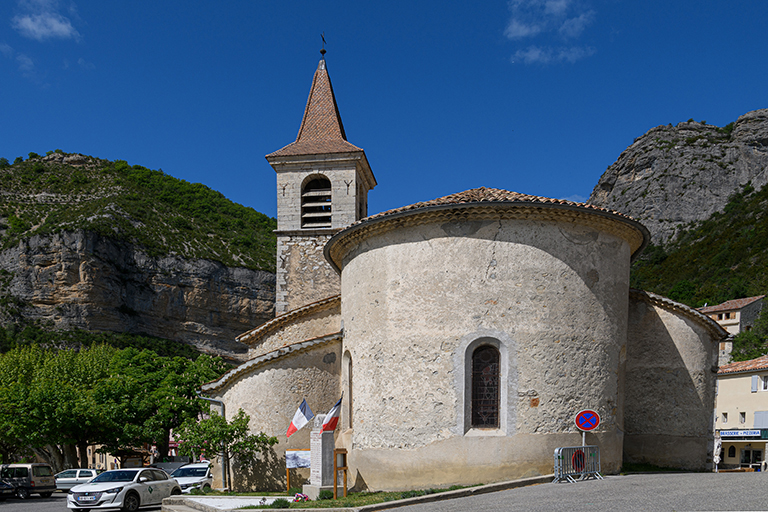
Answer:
(674, 175)
(84, 280)
(91, 244)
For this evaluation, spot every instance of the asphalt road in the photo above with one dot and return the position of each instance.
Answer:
(56, 503)
(641, 493)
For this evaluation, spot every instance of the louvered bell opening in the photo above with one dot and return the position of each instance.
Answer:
(316, 204)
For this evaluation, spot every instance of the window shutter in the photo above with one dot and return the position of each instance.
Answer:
(754, 383)
(761, 419)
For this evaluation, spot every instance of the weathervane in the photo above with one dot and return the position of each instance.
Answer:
(322, 51)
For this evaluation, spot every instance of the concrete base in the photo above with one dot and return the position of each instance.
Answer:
(313, 491)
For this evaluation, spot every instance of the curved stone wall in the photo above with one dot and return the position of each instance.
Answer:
(550, 295)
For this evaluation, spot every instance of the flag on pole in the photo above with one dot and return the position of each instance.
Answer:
(332, 418)
(301, 418)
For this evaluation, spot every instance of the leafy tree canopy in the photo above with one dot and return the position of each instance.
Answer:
(753, 343)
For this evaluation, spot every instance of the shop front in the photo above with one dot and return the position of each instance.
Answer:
(743, 448)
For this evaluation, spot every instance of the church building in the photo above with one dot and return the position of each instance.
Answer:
(464, 333)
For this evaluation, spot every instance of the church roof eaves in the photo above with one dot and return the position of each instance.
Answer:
(259, 361)
(288, 317)
(488, 197)
(715, 329)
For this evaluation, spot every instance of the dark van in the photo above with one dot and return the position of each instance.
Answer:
(29, 479)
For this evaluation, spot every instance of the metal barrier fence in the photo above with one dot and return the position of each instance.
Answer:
(573, 461)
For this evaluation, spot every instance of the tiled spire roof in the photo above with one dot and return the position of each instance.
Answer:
(321, 130)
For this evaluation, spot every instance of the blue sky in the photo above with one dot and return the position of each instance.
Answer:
(534, 96)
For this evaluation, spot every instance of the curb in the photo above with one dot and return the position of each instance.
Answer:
(429, 498)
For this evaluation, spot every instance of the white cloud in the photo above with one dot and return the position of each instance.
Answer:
(573, 27)
(546, 55)
(6, 50)
(41, 21)
(519, 30)
(85, 64)
(26, 65)
(547, 25)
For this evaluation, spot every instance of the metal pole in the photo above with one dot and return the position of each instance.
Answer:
(223, 454)
(583, 438)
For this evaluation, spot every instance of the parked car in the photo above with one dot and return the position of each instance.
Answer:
(29, 479)
(194, 476)
(71, 477)
(6, 490)
(126, 489)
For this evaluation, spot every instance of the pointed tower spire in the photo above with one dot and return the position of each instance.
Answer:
(321, 129)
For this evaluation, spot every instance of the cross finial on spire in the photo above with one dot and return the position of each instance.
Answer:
(322, 50)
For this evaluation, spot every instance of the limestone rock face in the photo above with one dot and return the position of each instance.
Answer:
(83, 280)
(674, 175)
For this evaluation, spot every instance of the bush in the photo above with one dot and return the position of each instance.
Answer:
(33, 155)
(18, 160)
(326, 495)
(4, 163)
(281, 503)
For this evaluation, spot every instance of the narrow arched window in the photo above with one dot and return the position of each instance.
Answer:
(485, 387)
(316, 203)
(731, 451)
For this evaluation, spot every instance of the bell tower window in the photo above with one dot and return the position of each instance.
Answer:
(316, 203)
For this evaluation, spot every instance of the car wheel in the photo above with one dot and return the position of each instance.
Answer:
(176, 491)
(22, 493)
(46, 494)
(130, 503)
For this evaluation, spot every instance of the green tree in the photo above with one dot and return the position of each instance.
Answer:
(215, 434)
(4, 163)
(753, 343)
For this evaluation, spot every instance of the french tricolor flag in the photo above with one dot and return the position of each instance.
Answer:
(301, 418)
(332, 418)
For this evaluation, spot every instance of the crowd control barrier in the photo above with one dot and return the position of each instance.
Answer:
(577, 461)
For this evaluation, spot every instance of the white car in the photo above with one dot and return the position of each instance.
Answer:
(194, 476)
(126, 489)
(72, 477)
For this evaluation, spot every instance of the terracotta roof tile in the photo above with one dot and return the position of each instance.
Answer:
(321, 129)
(761, 363)
(731, 304)
(483, 195)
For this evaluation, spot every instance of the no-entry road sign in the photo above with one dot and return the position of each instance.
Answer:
(587, 420)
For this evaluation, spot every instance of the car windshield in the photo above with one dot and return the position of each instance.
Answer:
(115, 476)
(182, 472)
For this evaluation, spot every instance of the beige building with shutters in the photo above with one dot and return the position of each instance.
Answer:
(741, 412)
(465, 332)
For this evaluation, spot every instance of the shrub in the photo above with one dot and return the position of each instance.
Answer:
(281, 503)
(18, 160)
(4, 163)
(33, 155)
(326, 495)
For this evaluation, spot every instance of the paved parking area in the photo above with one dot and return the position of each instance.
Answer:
(641, 493)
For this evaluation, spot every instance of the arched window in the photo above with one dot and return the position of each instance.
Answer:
(316, 203)
(485, 387)
(731, 451)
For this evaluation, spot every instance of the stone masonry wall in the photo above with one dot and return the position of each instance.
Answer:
(303, 274)
(270, 394)
(552, 294)
(671, 364)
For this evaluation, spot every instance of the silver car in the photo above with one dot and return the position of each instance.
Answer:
(72, 477)
(125, 489)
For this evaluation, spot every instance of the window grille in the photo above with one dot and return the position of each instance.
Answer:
(485, 387)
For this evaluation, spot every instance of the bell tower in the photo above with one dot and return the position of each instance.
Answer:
(322, 187)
